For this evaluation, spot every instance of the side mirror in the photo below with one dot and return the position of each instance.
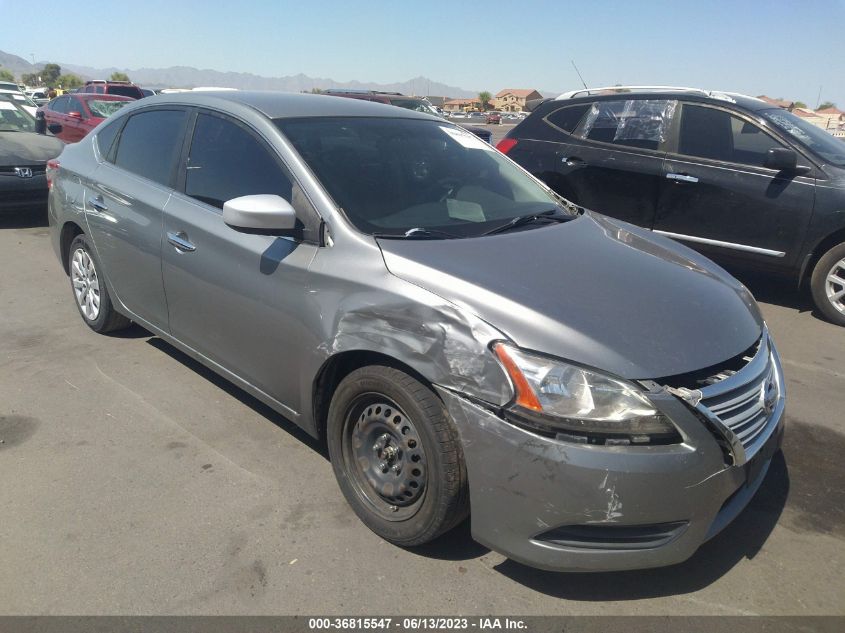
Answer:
(75, 115)
(262, 213)
(55, 128)
(783, 159)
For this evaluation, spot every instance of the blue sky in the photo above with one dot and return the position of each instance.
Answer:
(778, 47)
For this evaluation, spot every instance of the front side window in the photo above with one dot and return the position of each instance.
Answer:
(718, 135)
(227, 162)
(641, 123)
(830, 148)
(150, 144)
(74, 105)
(391, 175)
(59, 105)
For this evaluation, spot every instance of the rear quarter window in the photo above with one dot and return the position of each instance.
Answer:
(568, 117)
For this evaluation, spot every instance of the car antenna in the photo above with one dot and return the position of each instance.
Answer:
(579, 74)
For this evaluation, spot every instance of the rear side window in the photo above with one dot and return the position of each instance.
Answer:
(641, 123)
(227, 162)
(150, 144)
(567, 118)
(718, 135)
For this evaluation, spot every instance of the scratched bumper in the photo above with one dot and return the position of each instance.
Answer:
(524, 487)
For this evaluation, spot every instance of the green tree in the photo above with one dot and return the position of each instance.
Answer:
(6, 75)
(116, 76)
(800, 104)
(826, 104)
(316, 91)
(30, 79)
(50, 74)
(69, 81)
(485, 98)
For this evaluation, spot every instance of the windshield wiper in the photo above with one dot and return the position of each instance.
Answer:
(418, 233)
(522, 220)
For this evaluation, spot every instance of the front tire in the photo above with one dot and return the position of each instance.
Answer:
(89, 289)
(397, 456)
(828, 285)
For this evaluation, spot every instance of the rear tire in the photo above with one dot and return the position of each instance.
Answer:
(397, 456)
(828, 284)
(89, 288)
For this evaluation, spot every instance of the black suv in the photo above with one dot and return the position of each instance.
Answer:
(748, 184)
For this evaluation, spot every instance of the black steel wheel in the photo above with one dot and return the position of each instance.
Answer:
(396, 455)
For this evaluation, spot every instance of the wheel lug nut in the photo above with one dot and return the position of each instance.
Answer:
(396, 468)
(382, 465)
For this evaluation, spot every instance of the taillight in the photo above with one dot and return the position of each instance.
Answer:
(506, 145)
(51, 171)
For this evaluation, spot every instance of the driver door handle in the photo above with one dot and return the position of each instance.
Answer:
(180, 241)
(682, 177)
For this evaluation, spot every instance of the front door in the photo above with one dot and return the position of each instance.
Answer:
(233, 296)
(717, 197)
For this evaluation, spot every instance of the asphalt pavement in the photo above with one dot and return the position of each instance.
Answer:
(135, 481)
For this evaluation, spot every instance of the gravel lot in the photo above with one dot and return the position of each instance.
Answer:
(134, 481)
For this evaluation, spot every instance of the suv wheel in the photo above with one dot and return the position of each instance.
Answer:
(397, 456)
(828, 284)
(90, 291)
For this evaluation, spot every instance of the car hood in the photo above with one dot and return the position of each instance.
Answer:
(592, 290)
(26, 148)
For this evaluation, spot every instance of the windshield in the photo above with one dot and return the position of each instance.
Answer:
(830, 148)
(103, 108)
(13, 117)
(393, 175)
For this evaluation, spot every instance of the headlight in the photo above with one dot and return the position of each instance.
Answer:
(555, 396)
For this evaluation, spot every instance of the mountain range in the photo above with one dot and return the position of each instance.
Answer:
(188, 77)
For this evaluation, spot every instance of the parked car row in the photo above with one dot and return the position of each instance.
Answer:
(464, 338)
(745, 183)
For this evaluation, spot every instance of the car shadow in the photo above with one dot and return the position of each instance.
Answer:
(780, 291)
(24, 219)
(239, 394)
(742, 539)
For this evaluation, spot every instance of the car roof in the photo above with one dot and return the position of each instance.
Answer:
(92, 96)
(283, 105)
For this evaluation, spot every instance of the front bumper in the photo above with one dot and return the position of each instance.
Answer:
(563, 506)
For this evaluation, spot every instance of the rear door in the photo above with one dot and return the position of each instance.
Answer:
(75, 127)
(125, 206)
(236, 296)
(613, 164)
(55, 113)
(716, 196)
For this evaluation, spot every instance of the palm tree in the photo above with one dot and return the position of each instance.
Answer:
(485, 98)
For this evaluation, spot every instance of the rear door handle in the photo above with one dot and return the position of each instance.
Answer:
(682, 177)
(97, 203)
(180, 241)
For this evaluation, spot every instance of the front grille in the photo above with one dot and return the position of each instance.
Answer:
(36, 169)
(741, 398)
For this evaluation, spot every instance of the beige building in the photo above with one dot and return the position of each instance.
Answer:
(462, 105)
(514, 99)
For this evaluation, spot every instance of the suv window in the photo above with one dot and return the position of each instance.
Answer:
(719, 135)
(226, 162)
(126, 91)
(567, 118)
(638, 123)
(150, 144)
